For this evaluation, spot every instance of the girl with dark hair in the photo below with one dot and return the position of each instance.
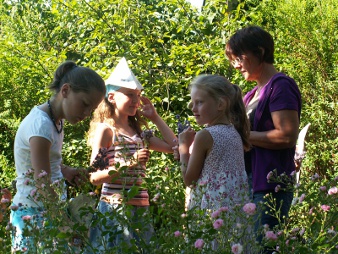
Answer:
(38, 144)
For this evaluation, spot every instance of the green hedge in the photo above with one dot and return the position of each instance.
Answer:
(167, 44)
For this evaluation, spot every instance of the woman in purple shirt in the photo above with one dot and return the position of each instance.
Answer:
(273, 107)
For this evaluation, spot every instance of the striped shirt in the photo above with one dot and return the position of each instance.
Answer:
(127, 186)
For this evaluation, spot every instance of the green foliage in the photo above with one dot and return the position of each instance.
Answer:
(167, 43)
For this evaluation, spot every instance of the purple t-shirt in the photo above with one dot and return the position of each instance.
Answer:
(281, 93)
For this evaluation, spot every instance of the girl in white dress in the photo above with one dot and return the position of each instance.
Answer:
(216, 160)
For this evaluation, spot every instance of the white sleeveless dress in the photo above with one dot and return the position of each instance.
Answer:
(223, 180)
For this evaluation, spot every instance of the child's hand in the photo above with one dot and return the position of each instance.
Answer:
(142, 156)
(74, 176)
(176, 153)
(81, 177)
(186, 137)
(5, 201)
(6, 194)
(147, 109)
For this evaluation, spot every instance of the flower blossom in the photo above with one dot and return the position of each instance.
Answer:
(224, 209)
(270, 174)
(177, 233)
(325, 208)
(29, 172)
(199, 244)
(249, 208)
(42, 174)
(237, 248)
(311, 210)
(33, 192)
(322, 188)
(295, 230)
(314, 177)
(157, 196)
(271, 235)
(26, 217)
(218, 224)
(301, 198)
(215, 214)
(332, 191)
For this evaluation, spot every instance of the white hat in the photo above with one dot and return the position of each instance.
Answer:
(122, 76)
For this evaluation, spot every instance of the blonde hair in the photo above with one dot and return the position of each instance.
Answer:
(220, 87)
(105, 113)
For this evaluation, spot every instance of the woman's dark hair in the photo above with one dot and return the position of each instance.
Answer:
(251, 39)
(81, 79)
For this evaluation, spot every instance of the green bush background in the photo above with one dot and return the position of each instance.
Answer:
(167, 44)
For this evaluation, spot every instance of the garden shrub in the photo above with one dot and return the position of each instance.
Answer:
(167, 43)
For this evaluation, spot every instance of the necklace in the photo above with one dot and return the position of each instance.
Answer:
(53, 120)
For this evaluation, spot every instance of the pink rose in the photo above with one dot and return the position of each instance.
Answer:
(311, 210)
(271, 235)
(270, 174)
(215, 214)
(26, 217)
(237, 248)
(333, 190)
(325, 208)
(199, 244)
(42, 174)
(249, 208)
(33, 192)
(157, 196)
(301, 198)
(314, 177)
(218, 224)
(224, 209)
(295, 230)
(177, 233)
